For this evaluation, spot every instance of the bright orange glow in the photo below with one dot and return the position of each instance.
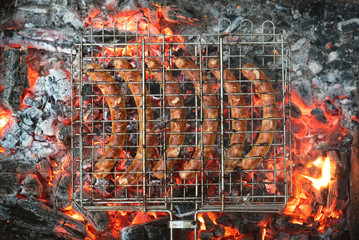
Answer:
(213, 216)
(354, 118)
(141, 217)
(33, 76)
(324, 180)
(6, 120)
(89, 233)
(264, 231)
(69, 211)
(201, 221)
(296, 222)
(303, 106)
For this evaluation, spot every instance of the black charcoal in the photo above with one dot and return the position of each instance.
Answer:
(16, 76)
(349, 25)
(98, 219)
(31, 186)
(9, 184)
(319, 115)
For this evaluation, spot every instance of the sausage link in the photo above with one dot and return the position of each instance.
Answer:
(238, 111)
(178, 117)
(116, 104)
(210, 112)
(266, 136)
(134, 171)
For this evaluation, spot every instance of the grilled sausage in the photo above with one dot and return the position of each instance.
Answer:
(210, 112)
(134, 171)
(178, 117)
(238, 111)
(266, 136)
(116, 104)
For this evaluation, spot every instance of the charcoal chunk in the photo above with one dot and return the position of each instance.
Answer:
(224, 220)
(31, 186)
(184, 209)
(99, 220)
(204, 235)
(350, 25)
(134, 232)
(153, 230)
(330, 108)
(60, 190)
(44, 169)
(16, 76)
(9, 184)
(208, 222)
(25, 167)
(319, 115)
(218, 231)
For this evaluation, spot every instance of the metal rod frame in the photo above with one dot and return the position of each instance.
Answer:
(214, 189)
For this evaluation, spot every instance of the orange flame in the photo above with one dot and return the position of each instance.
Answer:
(33, 76)
(69, 211)
(324, 180)
(6, 120)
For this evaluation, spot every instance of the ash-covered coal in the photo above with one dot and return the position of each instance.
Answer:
(31, 136)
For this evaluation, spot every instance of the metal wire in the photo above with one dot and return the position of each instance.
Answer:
(265, 189)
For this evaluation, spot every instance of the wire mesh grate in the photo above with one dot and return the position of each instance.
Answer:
(265, 189)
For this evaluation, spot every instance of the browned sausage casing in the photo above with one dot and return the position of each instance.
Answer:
(238, 111)
(210, 112)
(266, 136)
(116, 104)
(134, 171)
(178, 117)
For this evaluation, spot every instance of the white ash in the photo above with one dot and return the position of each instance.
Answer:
(298, 44)
(60, 36)
(332, 56)
(56, 85)
(30, 136)
(69, 16)
(26, 140)
(47, 126)
(315, 67)
(349, 25)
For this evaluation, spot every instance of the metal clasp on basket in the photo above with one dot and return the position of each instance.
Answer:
(184, 224)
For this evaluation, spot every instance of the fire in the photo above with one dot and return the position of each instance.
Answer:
(324, 180)
(228, 231)
(33, 76)
(6, 120)
(69, 211)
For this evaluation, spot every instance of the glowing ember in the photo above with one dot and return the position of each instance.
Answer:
(324, 180)
(6, 120)
(33, 76)
(72, 213)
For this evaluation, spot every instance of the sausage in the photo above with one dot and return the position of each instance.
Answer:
(238, 111)
(266, 136)
(210, 121)
(134, 171)
(117, 108)
(178, 117)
